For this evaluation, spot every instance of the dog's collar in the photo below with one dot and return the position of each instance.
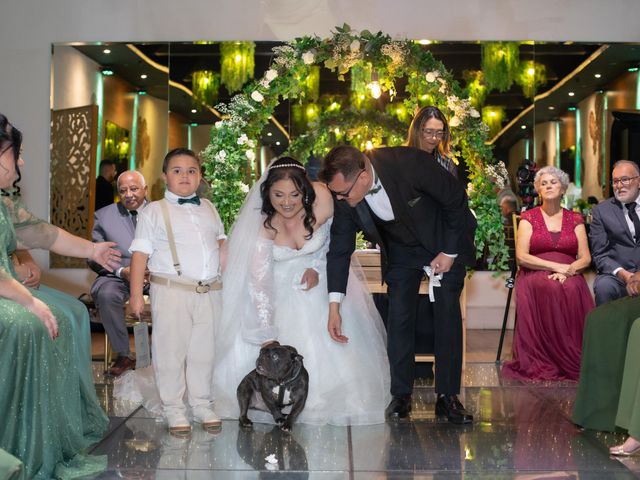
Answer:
(296, 375)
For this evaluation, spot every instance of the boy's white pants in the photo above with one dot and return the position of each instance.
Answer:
(182, 346)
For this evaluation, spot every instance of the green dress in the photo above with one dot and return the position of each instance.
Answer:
(604, 348)
(50, 411)
(628, 416)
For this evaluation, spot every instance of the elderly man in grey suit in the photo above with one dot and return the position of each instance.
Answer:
(614, 234)
(110, 291)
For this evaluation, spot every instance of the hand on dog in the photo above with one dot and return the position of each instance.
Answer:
(310, 278)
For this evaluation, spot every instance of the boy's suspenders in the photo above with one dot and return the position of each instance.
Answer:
(170, 237)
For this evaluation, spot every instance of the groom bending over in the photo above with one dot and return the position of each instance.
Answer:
(418, 214)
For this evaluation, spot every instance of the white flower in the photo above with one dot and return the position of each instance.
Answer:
(454, 122)
(264, 83)
(257, 96)
(251, 155)
(244, 187)
(355, 46)
(452, 102)
(270, 74)
(218, 124)
(308, 58)
(431, 77)
(443, 88)
(243, 139)
(221, 155)
(251, 143)
(474, 113)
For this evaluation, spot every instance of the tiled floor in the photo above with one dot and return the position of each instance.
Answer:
(521, 431)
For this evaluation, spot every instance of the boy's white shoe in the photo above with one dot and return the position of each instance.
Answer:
(178, 423)
(207, 417)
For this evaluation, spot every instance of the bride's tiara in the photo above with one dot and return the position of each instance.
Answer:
(286, 165)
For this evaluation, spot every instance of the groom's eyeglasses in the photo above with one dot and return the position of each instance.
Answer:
(346, 194)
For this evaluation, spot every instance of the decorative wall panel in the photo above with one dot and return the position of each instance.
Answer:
(73, 173)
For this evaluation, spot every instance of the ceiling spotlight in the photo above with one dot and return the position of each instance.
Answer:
(193, 110)
(523, 127)
(277, 143)
(143, 76)
(572, 109)
(107, 72)
(571, 94)
(632, 69)
(551, 107)
(269, 134)
(597, 75)
(107, 51)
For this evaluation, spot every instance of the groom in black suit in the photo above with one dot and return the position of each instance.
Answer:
(418, 214)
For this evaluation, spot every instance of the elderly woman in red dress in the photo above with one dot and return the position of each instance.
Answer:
(552, 296)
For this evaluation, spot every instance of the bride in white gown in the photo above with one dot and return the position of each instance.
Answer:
(275, 288)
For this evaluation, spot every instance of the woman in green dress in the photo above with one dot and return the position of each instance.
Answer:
(628, 416)
(48, 402)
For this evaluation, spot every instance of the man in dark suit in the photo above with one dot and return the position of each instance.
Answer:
(614, 234)
(110, 290)
(104, 184)
(418, 214)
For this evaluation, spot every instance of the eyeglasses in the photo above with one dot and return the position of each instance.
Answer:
(624, 181)
(430, 133)
(346, 194)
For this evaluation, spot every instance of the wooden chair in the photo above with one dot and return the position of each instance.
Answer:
(511, 281)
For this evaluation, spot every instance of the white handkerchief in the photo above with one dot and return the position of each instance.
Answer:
(434, 281)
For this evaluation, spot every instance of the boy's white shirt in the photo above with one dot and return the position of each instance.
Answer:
(197, 230)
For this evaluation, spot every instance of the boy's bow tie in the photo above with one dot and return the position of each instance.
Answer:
(195, 200)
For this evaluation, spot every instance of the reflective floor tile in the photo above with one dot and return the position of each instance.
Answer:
(114, 407)
(145, 444)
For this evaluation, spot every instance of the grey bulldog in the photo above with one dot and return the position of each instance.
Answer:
(278, 381)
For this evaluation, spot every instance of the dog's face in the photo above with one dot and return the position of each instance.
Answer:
(277, 362)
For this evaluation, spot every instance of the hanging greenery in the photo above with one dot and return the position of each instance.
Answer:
(233, 142)
(493, 116)
(531, 77)
(475, 86)
(303, 115)
(500, 61)
(311, 85)
(371, 128)
(205, 85)
(237, 64)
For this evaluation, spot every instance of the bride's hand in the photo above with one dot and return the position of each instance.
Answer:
(335, 325)
(310, 278)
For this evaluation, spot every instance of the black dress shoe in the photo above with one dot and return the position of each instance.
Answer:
(449, 406)
(399, 407)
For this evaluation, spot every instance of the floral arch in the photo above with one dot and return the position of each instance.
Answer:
(233, 139)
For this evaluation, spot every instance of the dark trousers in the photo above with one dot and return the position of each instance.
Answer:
(403, 280)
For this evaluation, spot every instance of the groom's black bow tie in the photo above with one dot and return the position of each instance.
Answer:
(195, 200)
(377, 186)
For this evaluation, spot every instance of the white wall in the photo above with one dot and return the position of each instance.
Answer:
(29, 27)
(73, 78)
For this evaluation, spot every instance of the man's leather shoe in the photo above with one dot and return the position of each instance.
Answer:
(399, 407)
(121, 365)
(449, 406)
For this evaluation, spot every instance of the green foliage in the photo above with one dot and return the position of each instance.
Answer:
(228, 157)
(500, 63)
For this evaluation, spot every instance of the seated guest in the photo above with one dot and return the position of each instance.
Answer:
(614, 234)
(606, 338)
(110, 291)
(50, 412)
(552, 297)
(104, 184)
(628, 416)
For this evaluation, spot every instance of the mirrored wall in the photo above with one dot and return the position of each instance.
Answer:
(573, 105)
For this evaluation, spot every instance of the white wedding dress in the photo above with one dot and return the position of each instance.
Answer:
(348, 383)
